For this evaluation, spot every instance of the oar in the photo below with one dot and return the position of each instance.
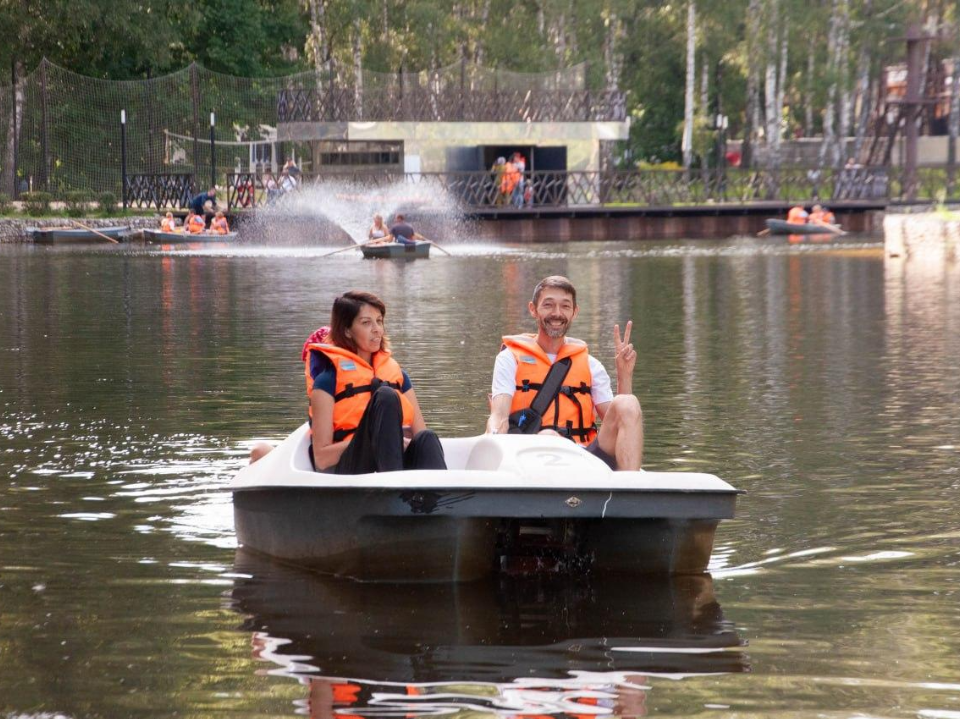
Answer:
(437, 246)
(763, 233)
(351, 247)
(95, 232)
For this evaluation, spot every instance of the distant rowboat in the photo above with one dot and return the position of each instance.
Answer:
(397, 250)
(169, 238)
(70, 236)
(782, 227)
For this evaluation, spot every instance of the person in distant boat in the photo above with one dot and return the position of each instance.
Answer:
(168, 224)
(195, 223)
(271, 186)
(403, 232)
(821, 216)
(364, 413)
(204, 204)
(220, 226)
(379, 231)
(585, 394)
(797, 215)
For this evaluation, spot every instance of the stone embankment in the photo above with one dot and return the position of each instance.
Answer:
(931, 234)
(14, 230)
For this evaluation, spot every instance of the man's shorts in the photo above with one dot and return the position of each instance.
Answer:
(594, 449)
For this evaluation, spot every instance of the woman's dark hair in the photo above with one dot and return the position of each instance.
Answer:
(345, 311)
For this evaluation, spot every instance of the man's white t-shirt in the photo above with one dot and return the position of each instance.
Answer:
(505, 377)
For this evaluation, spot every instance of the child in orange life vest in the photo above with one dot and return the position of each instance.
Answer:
(168, 224)
(820, 216)
(194, 223)
(219, 224)
(361, 400)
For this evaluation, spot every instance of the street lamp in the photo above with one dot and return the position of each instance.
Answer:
(123, 158)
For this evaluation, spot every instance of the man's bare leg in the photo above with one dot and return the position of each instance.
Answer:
(621, 433)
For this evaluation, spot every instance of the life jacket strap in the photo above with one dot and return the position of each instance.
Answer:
(350, 390)
(339, 435)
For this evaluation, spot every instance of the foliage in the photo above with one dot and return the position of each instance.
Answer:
(107, 202)
(76, 201)
(5, 204)
(36, 203)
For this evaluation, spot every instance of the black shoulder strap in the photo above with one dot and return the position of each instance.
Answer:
(551, 386)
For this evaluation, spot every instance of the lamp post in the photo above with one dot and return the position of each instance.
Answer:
(123, 158)
(213, 156)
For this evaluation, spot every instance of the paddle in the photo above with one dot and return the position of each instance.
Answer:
(763, 233)
(95, 232)
(437, 246)
(352, 247)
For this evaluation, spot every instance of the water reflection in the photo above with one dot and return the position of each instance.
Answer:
(501, 647)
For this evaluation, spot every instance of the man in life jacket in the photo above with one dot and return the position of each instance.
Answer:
(585, 396)
(797, 215)
(204, 204)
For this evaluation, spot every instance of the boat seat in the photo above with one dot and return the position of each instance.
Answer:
(534, 457)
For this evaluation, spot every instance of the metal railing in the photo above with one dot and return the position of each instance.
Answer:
(569, 189)
(423, 104)
(159, 190)
(584, 189)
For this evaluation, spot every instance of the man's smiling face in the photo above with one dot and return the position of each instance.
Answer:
(554, 312)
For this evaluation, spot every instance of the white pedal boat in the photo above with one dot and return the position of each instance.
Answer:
(505, 502)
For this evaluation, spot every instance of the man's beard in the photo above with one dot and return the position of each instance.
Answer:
(554, 331)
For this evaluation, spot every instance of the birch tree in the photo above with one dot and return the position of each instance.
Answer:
(686, 144)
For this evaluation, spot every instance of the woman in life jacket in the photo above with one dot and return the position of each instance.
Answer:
(363, 409)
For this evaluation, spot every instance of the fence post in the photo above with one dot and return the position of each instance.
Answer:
(195, 96)
(123, 157)
(213, 155)
(463, 89)
(45, 160)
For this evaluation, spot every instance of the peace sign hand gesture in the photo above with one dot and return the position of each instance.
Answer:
(626, 358)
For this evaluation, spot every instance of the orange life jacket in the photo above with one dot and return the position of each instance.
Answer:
(571, 413)
(823, 217)
(356, 381)
(197, 224)
(797, 215)
(511, 176)
(220, 226)
(168, 225)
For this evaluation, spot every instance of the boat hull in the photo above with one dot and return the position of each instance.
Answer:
(76, 236)
(502, 496)
(397, 251)
(782, 227)
(168, 238)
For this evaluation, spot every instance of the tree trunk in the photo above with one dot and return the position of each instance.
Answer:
(8, 183)
(318, 35)
(864, 101)
(612, 61)
(686, 144)
(781, 86)
(845, 109)
(484, 19)
(953, 126)
(829, 109)
(358, 68)
(752, 120)
(771, 131)
(704, 108)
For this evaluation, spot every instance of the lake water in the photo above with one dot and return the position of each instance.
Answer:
(823, 380)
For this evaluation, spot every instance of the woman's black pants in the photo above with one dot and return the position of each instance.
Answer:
(377, 444)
